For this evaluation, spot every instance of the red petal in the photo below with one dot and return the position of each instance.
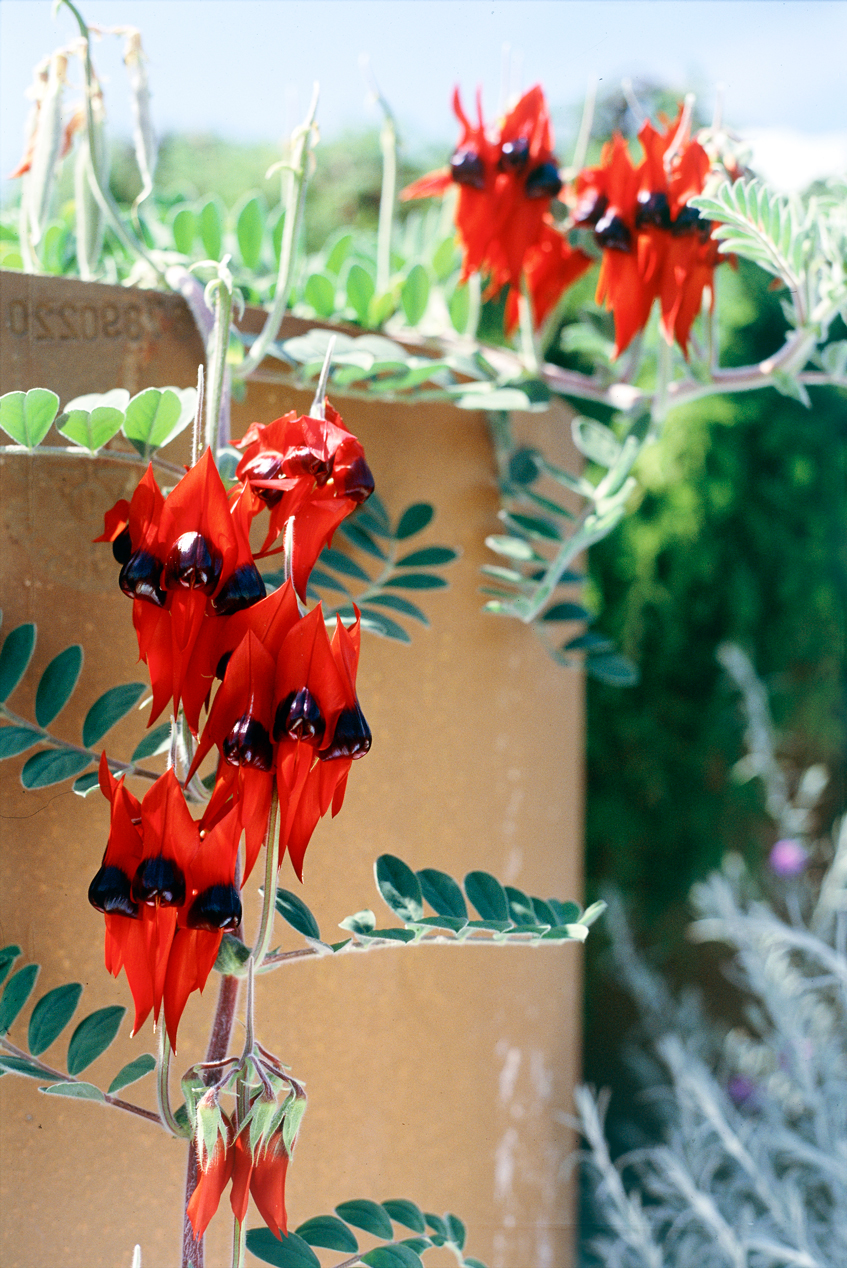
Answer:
(206, 1197)
(267, 1185)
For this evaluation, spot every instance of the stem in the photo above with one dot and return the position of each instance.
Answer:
(318, 406)
(216, 362)
(106, 455)
(192, 1248)
(474, 285)
(388, 145)
(239, 1238)
(266, 924)
(58, 1077)
(585, 125)
(54, 740)
(162, 1073)
(196, 428)
(295, 200)
(529, 351)
(107, 204)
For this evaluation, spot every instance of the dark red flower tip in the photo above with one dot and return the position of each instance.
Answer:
(467, 168)
(299, 717)
(110, 892)
(351, 738)
(141, 577)
(241, 590)
(248, 744)
(192, 563)
(216, 908)
(159, 881)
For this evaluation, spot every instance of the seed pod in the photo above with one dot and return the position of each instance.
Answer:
(143, 136)
(47, 146)
(89, 216)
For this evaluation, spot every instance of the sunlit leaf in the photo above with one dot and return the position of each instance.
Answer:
(28, 416)
(406, 1213)
(294, 910)
(487, 895)
(286, 1252)
(78, 1091)
(400, 888)
(443, 895)
(155, 741)
(367, 1215)
(328, 1231)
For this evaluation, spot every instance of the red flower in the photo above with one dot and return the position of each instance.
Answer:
(507, 178)
(167, 897)
(188, 559)
(311, 468)
(262, 1177)
(655, 246)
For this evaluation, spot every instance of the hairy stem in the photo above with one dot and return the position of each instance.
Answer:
(266, 923)
(58, 1077)
(163, 1067)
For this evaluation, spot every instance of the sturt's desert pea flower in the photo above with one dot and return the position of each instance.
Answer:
(507, 177)
(309, 468)
(655, 246)
(260, 1174)
(187, 561)
(167, 893)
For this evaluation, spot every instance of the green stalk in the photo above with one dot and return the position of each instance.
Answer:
(239, 1243)
(266, 923)
(216, 359)
(296, 196)
(388, 145)
(163, 1066)
(101, 192)
(529, 350)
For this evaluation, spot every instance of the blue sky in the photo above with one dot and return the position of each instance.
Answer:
(244, 68)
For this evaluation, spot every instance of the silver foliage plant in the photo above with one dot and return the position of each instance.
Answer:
(752, 1170)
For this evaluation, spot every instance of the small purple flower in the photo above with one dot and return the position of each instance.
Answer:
(788, 858)
(742, 1091)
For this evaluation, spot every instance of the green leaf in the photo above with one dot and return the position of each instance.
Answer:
(86, 784)
(416, 581)
(456, 1230)
(342, 563)
(156, 415)
(155, 741)
(52, 766)
(210, 222)
(20, 1065)
(17, 739)
(28, 416)
(592, 913)
(184, 230)
(391, 935)
(379, 623)
(91, 430)
(79, 1091)
(593, 644)
(50, 1016)
(249, 230)
(294, 910)
(113, 705)
(565, 913)
(57, 684)
(399, 604)
(567, 612)
(445, 258)
(533, 526)
(8, 955)
(93, 1036)
(15, 994)
(520, 907)
(487, 895)
(414, 295)
(400, 889)
(514, 548)
(473, 1263)
(132, 1072)
(413, 520)
(360, 291)
(404, 1212)
(16, 654)
(286, 1252)
(544, 914)
(598, 443)
(612, 669)
(339, 253)
(366, 1215)
(393, 1256)
(444, 896)
(360, 537)
(319, 291)
(437, 1224)
(328, 1231)
(359, 922)
(429, 557)
(459, 307)
(417, 1244)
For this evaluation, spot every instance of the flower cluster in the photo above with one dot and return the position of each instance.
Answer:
(258, 1173)
(507, 177)
(285, 722)
(655, 246)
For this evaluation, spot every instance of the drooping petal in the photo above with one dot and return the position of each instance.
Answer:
(205, 1199)
(267, 1185)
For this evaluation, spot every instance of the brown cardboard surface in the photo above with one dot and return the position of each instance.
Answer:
(442, 1074)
